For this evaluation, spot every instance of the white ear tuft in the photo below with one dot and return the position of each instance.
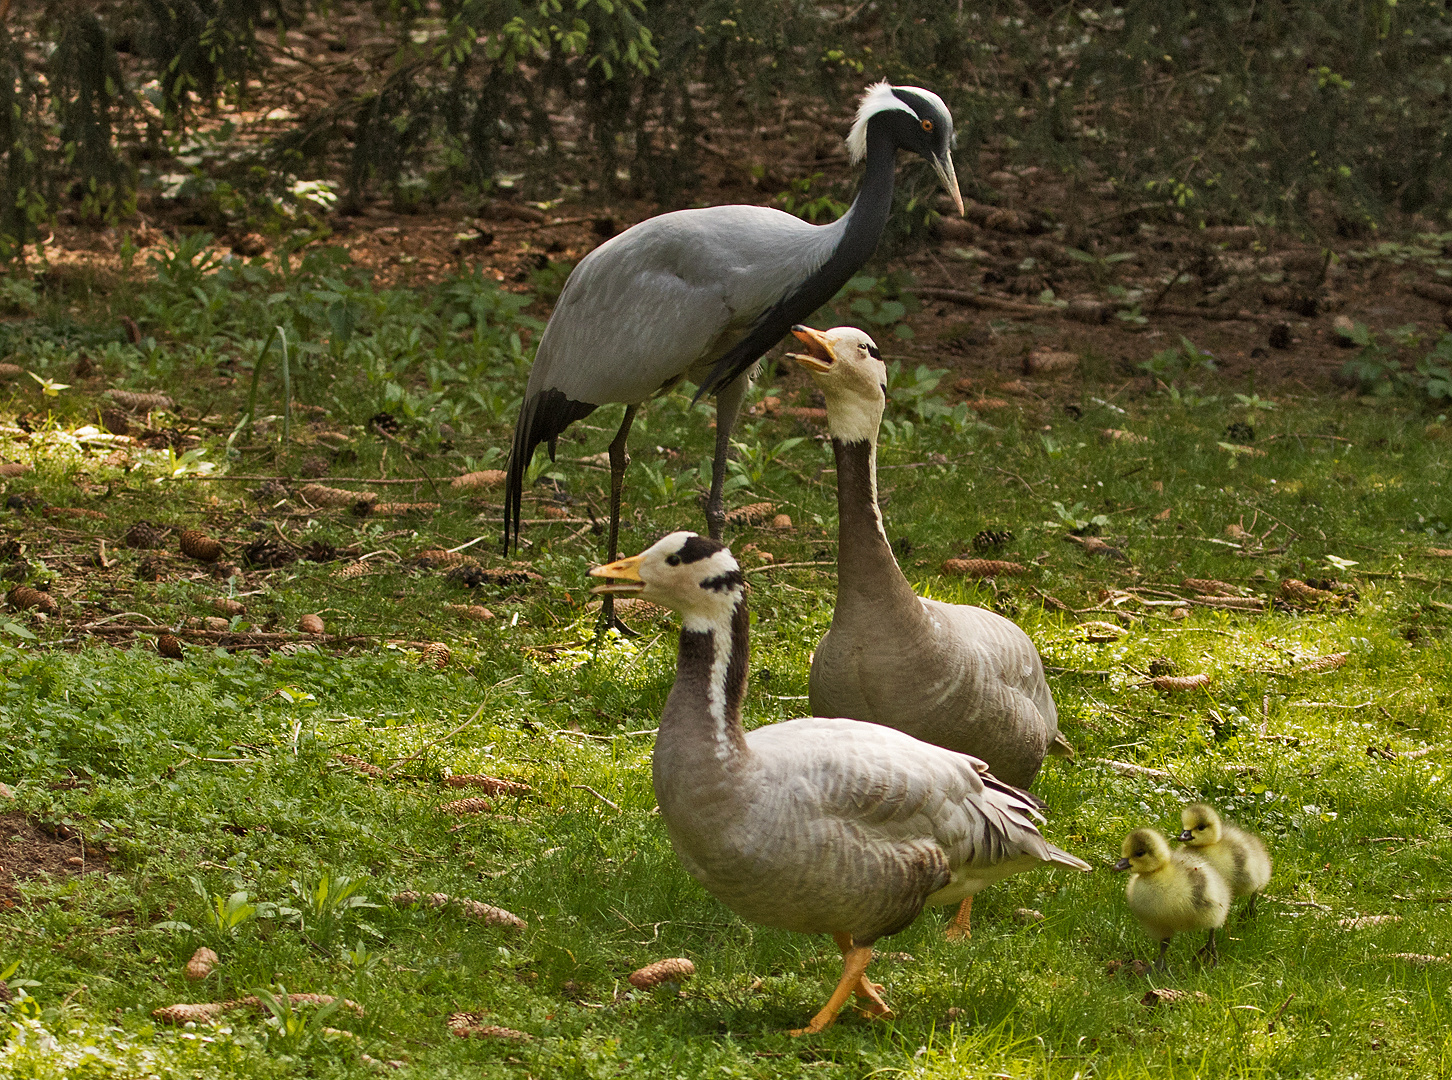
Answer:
(878, 98)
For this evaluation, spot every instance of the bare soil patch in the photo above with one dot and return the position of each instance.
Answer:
(29, 850)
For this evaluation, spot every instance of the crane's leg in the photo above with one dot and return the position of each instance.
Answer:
(728, 407)
(960, 927)
(855, 959)
(619, 458)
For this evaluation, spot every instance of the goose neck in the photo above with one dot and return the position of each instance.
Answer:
(866, 568)
(702, 718)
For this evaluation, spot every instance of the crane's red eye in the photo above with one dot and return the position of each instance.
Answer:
(927, 125)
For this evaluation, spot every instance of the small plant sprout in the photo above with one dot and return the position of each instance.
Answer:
(1338, 563)
(318, 192)
(49, 387)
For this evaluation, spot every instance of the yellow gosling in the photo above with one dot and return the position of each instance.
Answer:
(1172, 891)
(1239, 856)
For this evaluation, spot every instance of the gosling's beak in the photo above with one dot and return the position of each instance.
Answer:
(626, 569)
(943, 166)
(819, 354)
(1186, 835)
(1122, 864)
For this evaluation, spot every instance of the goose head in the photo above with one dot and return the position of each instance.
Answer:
(1144, 851)
(1202, 825)
(848, 369)
(693, 576)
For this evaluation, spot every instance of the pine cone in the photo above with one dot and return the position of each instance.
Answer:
(751, 515)
(314, 466)
(311, 624)
(1161, 665)
(1327, 663)
(353, 570)
(1232, 603)
(268, 554)
(359, 765)
(1175, 683)
(676, 970)
(319, 551)
(192, 1014)
(490, 785)
(139, 402)
(472, 1026)
(1120, 435)
(1100, 632)
(1297, 592)
(488, 913)
(201, 964)
(10, 469)
(270, 491)
(486, 478)
(74, 512)
(441, 559)
(23, 597)
(169, 647)
(992, 539)
(474, 576)
(151, 568)
(467, 806)
(322, 495)
(144, 535)
(1162, 996)
(224, 606)
(397, 509)
(435, 655)
(195, 544)
(982, 568)
(1210, 587)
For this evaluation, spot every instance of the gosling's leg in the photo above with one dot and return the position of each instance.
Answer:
(959, 929)
(1210, 954)
(1250, 907)
(1160, 964)
(855, 959)
(869, 999)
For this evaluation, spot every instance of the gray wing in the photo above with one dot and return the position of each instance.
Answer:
(667, 297)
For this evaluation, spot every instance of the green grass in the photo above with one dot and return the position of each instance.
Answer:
(116, 743)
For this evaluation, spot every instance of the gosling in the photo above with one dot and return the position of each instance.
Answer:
(1239, 856)
(1172, 891)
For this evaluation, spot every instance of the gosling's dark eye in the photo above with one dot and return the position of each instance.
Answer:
(927, 125)
(673, 560)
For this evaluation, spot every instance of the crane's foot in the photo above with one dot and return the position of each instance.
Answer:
(960, 929)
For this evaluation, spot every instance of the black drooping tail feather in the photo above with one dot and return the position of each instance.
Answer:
(541, 419)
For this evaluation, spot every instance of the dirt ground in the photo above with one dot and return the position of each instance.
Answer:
(29, 850)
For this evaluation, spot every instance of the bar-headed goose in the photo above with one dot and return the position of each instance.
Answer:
(1172, 892)
(953, 675)
(814, 825)
(1239, 856)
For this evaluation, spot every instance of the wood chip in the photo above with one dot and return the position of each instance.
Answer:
(1120, 435)
(1050, 362)
(490, 785)
(472, 612)
(203, 961)
(982, 568)
(483, 479)
(675, 970)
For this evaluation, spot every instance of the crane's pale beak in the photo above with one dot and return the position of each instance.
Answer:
(626, 569)
(819, 355)
(1121, 865)
(943, 166)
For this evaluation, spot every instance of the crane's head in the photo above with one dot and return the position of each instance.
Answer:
(682, 571)
(848, 369)
(917, 120)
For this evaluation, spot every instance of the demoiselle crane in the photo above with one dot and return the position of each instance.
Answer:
(703, 294)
